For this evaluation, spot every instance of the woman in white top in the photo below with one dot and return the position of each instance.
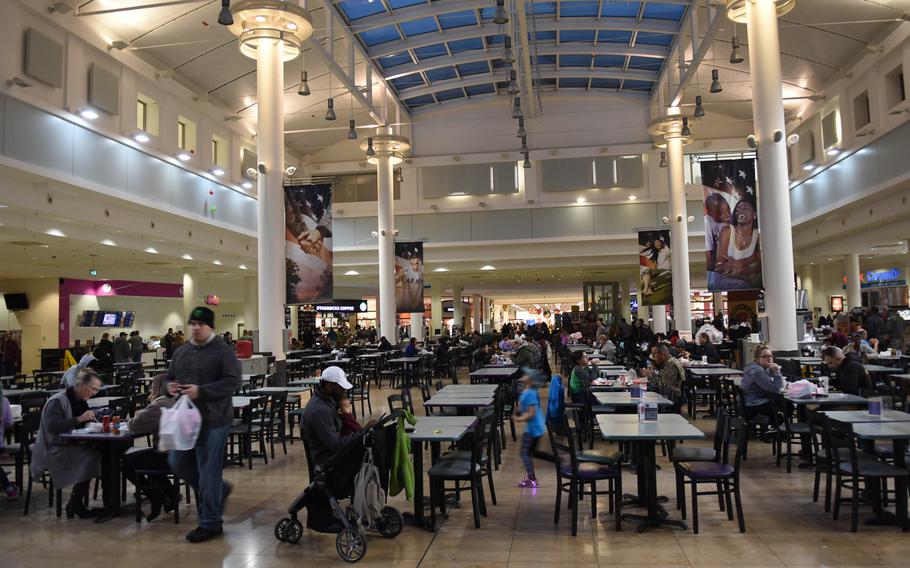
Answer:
(738, 252)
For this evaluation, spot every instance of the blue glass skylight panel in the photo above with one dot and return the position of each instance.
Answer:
(630, 85)
(601, 83)
(430, 51)
(454, 20)
(585, 36)
(609, 60)
(583, 9)
(380, 36)
(390, 61)
(542, 36)
(674, 12)
(413, 28)
(449, 94)
(415, 102)
(441, 74)
(486, 14)
(473, 68)
(543, 8)
(646, 63)
(653, 38)
(356, 9)
(396, 4)
(475, 90)
(573, 60)
(500, 64)
(408, 81)
(545, 82)
(573, 83)
(496, 39)
(462, 45)
(614, 36)
(620, 9)
(545, 60)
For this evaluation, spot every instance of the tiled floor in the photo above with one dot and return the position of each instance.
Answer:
(784, 527)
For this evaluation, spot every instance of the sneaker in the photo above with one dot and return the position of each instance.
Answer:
(12, 492)
(530, 483)
(202, 534)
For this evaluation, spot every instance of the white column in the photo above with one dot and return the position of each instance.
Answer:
(773, 193)
(191, 291)
(435, 308)
(679, 236)
(625, 305)
(659, 313)
(476, 312)
(270, 151)
(251, 303)
(417, 326)
(854, 287)
(386, 230)
(457, 314)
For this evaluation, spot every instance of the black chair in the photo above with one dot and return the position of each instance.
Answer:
(788, 431)
(402, 400)
(487, 457)
(361, 391)
(465, 472)
(822, 456)
(246, 432)
(573, 475)
(681, 454)
(723, 474)
(272, 421)
(25, 431)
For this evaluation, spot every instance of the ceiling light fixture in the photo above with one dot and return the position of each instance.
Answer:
(88, 113)
(663, 159)
(399, 177)
(216, 171)
(246, 184)
(108, 243)
(488, 267)
(527, 163)
(715, 82)
(242, 267)
(183, 156)
(304, 89)
(352, 273)
(508, 56)
(513, 85)
(516, 109)
(500, 16)
(151, 250)
(808, 166)
(370, 151)
(685, 127)
(186, 257)
(440, 269)
(54, 233)
(260, 19)
(352, 132)
(216, 262)
(225, 18)
(291, 26)
(330, 113)
(699, 109)
(632, 198)
(524, 145)
(141, 137)
(832, 151)
(735, 55)
(581, 200)
(521, 128)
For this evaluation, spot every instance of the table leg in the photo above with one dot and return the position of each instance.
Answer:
(417, 518)
(884, 517)
(657, 515)
(110, 481)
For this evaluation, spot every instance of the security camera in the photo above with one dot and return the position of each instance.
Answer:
(375, 234)
(777, 136)
(394, 232)
(665, 220)
(793, 139)
(262, 168)
(679, 218)
(750, 140)
(252, 173)
(290, 171)
(691, 218)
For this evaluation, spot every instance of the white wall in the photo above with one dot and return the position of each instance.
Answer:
(44, 306)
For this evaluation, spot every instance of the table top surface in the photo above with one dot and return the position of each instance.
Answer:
(625, 399)
(316, 356)
(700, 365)
(904, 376)
(270, 390)
(494, 372)
(713, 371)
(441, 428)
(804, 360)
(579, 347)
(468, 389)
(832, 398)
(615, 428)
(242, 401)
(19, 393)
(462, 400)
(879, 369)
(404, 360)
(373, 355)
(882, 430)
(861, 416)
(102, 401)
(337, 361)
(84, 435)
(633, 418)
(310, 382)
(611, 372)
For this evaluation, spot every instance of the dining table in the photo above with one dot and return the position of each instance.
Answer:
(625, 400)
(497, 374)
(112, 446)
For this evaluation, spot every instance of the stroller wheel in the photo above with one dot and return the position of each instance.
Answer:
(294, 531)
(281, 528)
(391, 522)
(351, 545)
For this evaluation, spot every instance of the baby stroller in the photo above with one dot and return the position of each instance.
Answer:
(335, 480)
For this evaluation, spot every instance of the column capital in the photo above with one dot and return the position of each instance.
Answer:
(270, 20)
(736, 9)
(668, 127)
(385, 146)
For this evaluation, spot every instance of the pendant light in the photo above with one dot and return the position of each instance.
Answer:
(527, 162)
(521, 128)
(224, 16)
(524, 145)
(516, 110)
(513, 85)
(500, 16)
(715, 82)
(370, 151)
(352, 132)
(508, 56)
(699, 109)
(304, 89)
(735, 55)
(685, 127)
(663, 159)
(330, 113)
(399, 177)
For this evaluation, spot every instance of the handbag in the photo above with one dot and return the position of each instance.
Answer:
(179, 426)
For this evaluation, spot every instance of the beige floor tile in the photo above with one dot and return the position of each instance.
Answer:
(739, 550)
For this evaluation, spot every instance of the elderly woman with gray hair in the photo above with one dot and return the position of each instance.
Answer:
(69, 464)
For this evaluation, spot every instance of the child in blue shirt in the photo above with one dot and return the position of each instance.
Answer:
(528, 410)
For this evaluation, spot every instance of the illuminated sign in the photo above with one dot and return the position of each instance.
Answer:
(880, 278)
(837, 304)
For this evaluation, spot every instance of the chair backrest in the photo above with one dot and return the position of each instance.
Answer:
(402, 400)
(842, 442)
(720, 433)
(307, 455)
(28, 428)
(562, 441)
(33, 402)
(816, 421)
(737, 433)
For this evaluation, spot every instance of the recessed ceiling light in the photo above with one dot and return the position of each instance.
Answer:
(352, 273)
(151, 250)
(488, 267)
(54, 233)
(186, 257)
(217, 171)
(291, 26)
(242, 267)
(809, 167)
(632, 198)
(141, 137)
(3, 205)
(108, 242)
(216, 262)
(183, 156)
(246, 185)
(440, 269)
(88, 113)
(581, 200)
(260, 19)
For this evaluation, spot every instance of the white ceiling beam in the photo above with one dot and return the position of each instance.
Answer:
(531, 106)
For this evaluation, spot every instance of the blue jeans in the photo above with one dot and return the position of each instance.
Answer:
(202, 468)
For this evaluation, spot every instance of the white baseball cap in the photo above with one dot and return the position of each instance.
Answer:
(336, 375)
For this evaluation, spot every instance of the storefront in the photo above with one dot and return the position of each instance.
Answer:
(885, 286)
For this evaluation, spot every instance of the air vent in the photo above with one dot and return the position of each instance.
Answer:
(27, 243)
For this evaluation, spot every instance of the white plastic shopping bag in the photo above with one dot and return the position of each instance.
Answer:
(179, 426)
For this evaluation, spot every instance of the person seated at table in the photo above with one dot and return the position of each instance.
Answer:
(384, 344)
(761, 379)
(506, 345)
(849, 374)
(157, 488)
(349, 424)
(523, 356)
(582, 374)
(482, 356)
(668, 372)
(69, 464)
(605, 347)
(706, 349)
(442, 350)
(835, 338)
(321, 422)
(857, 346)
(411, 350)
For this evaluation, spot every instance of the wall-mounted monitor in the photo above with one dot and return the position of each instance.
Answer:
(16, 302)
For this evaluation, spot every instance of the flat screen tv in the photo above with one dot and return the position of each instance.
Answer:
(15, 302)
(110, 319)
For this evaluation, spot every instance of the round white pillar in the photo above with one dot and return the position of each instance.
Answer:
(625, 305)
(774, 191)
(435, 308)
(386, 228)
(191, 288)
(854, 286)
(417, 326)
(250, 303)
(659, 325)
(679, 238)
(457, 313)
(476, 312)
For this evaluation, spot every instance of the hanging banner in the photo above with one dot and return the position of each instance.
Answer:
(655, 273)
(409, 277)
(308, 246)
(733, 254)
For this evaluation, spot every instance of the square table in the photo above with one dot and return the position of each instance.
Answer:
(899, 434)
(707, 372)
(863, 416)
(462, 402)
(878, 369)
(617, 386)
(625, 400)
(404, 360)
(111, 447)
(435, 430)
(271, 390)
(833, 399)
(480, 389)
(644, 437)
(316, 357)
(308, 382)
(16, 395)
(105, 401)
(610, 372)
(498, 374)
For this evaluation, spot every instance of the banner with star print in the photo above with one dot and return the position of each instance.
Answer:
(409, 277)
(308, 243)
(732, 243)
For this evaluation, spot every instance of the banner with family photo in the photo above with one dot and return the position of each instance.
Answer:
(308, 243)
(655, 285)
(409, 277)
(732, 244)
